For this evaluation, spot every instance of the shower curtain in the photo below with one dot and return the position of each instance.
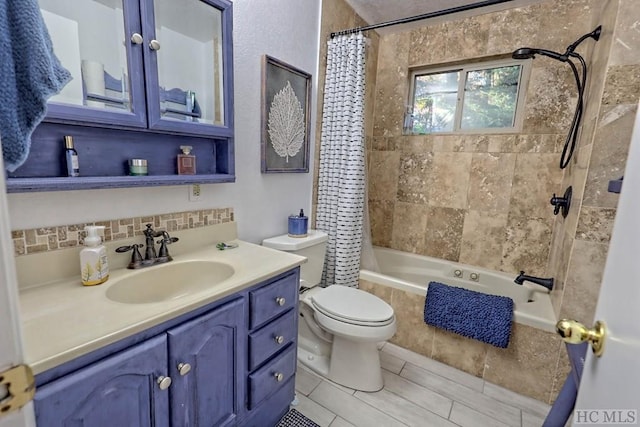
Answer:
(341, 184)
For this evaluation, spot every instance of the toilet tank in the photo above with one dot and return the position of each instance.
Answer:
(312, 247)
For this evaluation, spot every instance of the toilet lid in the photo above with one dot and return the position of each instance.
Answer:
(352, 305)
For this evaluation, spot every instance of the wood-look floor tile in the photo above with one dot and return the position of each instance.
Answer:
(306, 381)
(310, 409)
(421, 396)
(435, 367)
(339, 422)
(402, 410)
(467, 417)
(529, 420)
(390, 362)
(350, 408)
(457, 392)
(527, 404)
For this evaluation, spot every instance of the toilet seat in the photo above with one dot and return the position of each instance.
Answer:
(352, 306)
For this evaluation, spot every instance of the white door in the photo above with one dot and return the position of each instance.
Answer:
(10, 331)
(612, 381)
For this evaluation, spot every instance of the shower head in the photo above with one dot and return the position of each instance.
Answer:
(528, 52)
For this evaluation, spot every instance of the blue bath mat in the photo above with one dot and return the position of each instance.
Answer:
(469, 313)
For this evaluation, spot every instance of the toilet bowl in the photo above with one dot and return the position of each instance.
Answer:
(340, 327)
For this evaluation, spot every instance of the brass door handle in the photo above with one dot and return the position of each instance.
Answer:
(574, 332)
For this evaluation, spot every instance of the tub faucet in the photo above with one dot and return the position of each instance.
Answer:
(547, 283)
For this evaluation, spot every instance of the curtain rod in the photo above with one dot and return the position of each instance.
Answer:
(443, 12)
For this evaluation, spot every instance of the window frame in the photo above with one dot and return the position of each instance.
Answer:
(464, 68)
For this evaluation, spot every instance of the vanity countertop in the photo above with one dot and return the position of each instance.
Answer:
(63, 319)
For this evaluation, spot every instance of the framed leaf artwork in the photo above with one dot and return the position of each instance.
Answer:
(286, 102)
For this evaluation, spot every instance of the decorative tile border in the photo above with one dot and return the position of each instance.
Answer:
(66, 236)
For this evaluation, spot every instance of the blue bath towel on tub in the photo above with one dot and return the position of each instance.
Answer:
(30, 73)
(469, 313)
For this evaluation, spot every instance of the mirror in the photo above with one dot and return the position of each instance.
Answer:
(88, 38)
(189, 49)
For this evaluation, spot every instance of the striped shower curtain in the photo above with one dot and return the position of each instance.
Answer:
(341, 184)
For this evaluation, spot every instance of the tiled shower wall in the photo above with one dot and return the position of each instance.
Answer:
(66, 236)
(581, 241)
(480, 199)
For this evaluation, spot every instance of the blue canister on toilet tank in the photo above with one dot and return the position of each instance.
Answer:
(298, 225)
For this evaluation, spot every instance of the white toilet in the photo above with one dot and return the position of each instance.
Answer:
(339, 327)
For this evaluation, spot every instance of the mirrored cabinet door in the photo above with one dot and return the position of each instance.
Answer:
(99, 42)
(186, 55)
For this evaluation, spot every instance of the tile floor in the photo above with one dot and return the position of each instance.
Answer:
(418, 391)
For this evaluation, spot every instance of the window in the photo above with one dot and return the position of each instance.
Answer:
(480, 96)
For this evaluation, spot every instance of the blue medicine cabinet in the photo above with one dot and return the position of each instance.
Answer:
(149, 76)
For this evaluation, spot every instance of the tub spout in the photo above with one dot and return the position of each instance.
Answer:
(547, 283)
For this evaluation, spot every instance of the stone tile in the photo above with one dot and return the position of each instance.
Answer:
(490, 182)
(468, 38)
(449, 180)
(595, 224)
(624, 50)
(461, 394)
(381, 218)
(413, 183)
(483, 239)
(526, 246)
(622, 85)
(418, 144)
(550, 98)
(421, 396)
(435, 367)
(350, 408)
(467, 417)
(536, 177)
(535, 143)
(584, 277)
(409, 225)
(511, 29)
(502, 143)
(428, 45)
(459, 352)
(563, 369)
(383, 175)
(444, 233)
(609, 154)
(382, 292)
(402, 410)
(412, 333)
(563, 22)
(528, 365)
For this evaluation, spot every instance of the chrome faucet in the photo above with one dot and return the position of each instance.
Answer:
(547, 283)
(150, 255)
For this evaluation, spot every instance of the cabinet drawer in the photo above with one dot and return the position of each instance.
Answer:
(271, 338)
(271, 377)
(273, 299)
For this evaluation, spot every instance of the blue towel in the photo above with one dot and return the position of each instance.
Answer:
(30, 73)
(469, 313)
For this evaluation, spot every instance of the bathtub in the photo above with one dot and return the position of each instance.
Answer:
(412, 273)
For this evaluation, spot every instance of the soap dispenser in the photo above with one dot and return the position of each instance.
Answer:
(94, 265)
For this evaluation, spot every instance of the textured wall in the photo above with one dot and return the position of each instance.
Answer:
(480, 199)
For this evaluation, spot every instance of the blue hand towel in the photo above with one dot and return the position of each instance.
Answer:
(469, 313)
(30, 73)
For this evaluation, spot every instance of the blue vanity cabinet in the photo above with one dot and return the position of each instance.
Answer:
(203, 358)
(121, 390)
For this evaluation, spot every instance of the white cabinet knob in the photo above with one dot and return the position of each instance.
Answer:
(278, 376)
(154, 44)
(279, 339)
(184, 368)
(136, 38)
(280, 301)
(164, 382)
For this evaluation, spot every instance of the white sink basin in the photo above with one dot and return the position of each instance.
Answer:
(169, 281)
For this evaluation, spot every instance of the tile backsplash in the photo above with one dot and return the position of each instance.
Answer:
(66, 236)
